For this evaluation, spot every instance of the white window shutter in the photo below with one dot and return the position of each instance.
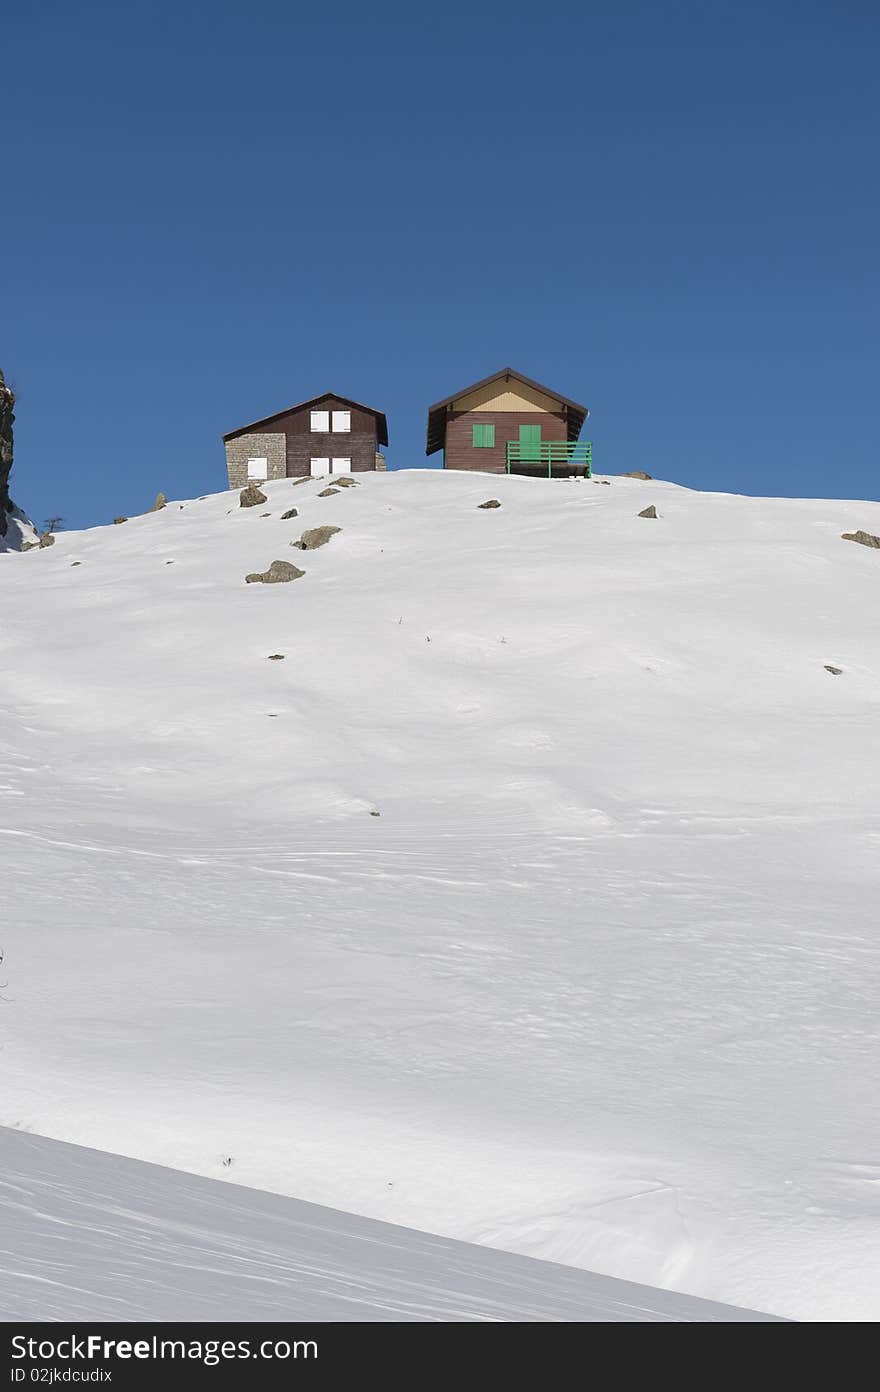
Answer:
(341, 422)
(342, 466)
(319, 467)
(258, 468)
(320, 420)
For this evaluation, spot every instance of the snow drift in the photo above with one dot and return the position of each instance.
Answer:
(90, 1236)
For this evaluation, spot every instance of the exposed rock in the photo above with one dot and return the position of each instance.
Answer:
(648, 511)
(30, 546)
(251, 496)
(291, 512)
(315, 537)
(73, 563)
(327, 492)
(835, 671)
(276, 657)
(374, 813)
(345, 481)
(489, 503)
(305, 479)
(277, 574)
(161, 501)
(117, 521)
(606, 482)
(47, 539)
(863, 538)
(637, 473)
(7, 416)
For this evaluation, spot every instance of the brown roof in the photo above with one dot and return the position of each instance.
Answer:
(381, 423)
(438, 413)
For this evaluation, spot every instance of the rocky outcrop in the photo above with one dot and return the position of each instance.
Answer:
(278, 573)
(863, 538)
(637, 473)
(7, 416)
(291, 512)
(251, 496)
(489, 503)
(160, 503)
(648, 511)
(315, 537)
(327, 492)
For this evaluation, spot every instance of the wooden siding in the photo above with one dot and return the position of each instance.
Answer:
(360, 445)
(461, 454)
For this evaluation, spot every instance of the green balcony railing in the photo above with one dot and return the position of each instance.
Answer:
(540, 454)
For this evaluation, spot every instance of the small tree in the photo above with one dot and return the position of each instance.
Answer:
(52, 524)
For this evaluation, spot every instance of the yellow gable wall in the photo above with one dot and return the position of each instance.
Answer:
(505, 396)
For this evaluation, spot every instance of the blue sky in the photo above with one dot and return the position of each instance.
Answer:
(668, 211)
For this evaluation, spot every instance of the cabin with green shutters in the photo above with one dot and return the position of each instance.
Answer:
(509, 424)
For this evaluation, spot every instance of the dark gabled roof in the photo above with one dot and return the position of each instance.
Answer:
(437, 414)
(381, 423)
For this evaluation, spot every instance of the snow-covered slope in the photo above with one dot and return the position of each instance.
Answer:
(598, 985)
(87, 1235)
(19, 531)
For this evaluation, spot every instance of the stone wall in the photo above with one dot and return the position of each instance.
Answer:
(7, 402)
(272, 448)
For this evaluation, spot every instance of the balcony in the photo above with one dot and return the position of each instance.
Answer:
(555, 458)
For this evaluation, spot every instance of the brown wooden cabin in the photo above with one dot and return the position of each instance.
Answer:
(509, 424)
(327, 435)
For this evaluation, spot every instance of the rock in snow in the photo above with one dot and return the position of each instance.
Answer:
(315, 537)
(279, 573)
(251, 496)
(863, 538)
(648, 511)
(489, 503)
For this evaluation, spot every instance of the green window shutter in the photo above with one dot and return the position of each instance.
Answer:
(530, 442)
(483, 436)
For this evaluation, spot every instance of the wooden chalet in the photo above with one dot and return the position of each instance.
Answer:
(327, 435)
(509, 424)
